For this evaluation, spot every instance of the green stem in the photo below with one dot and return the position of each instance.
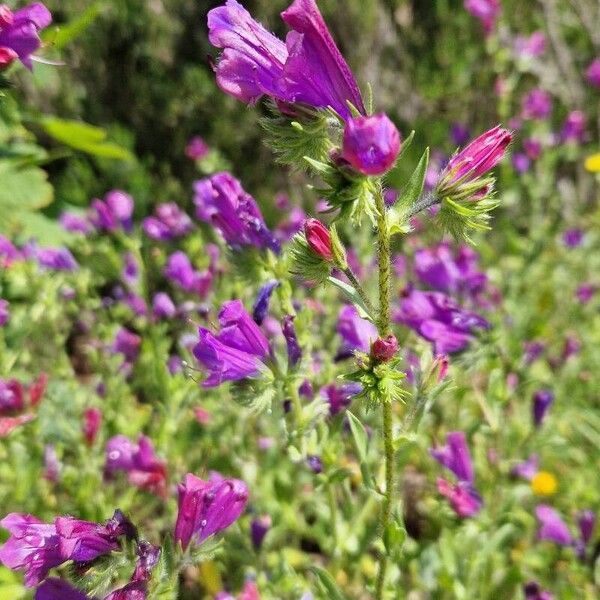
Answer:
(334, 519)
(292, 392)
(383, 324)
(359, 289)
(427, 200)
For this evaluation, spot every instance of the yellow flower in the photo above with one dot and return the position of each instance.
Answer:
(544, 484)
(592, 163)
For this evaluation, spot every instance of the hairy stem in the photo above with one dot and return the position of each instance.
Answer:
(383, 325)
(427, 200)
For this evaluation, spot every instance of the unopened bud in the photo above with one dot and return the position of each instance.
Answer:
(318, 238)
(384, 349)
(7, 57)
(6, 16)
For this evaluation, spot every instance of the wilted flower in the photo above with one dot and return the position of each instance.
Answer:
(222, 201)
(537, 105)
(593, 73)
(542, 400)
(461, 178)
(92, 419)
(196, 148)
(263, 298)
(486, 11)
(19, 32)
(307, 69)
(144, 469)
(207, 507)
(237, 352)
(318, 238)
(552, 527)
(4, 312)
(371, 144)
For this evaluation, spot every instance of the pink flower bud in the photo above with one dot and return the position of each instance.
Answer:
(7, 56)
(6, 16)
(92, 419)
(318, 238)
(371, 144)
(384, 349)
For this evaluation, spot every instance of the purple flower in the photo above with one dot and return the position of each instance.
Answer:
(437, 318)
(294, 351)
(20, 32)
(163, 307)
(466, 167)
(55, 259)
(552, 527)
(8, 252)
(114, 211)
(58, 589)
(196, 148)
(533, 591)
(237, 352)
(127, 343)
(573, 129)
(33, 547)
(4, 312)
(131, 269)
(459, 134)
(145, 470)
(533, 148)
(532, 46)
(573, 238)
(371, 144)
(263, 299)
(533, 350)
(83, 541)
(179, 270)
(339, 397)
(315, 464)
(169, 223)
(542, 400)
(74, 223)
(465, 501)
(521, 162)
(307, 69)
(584, 293)
(527, 469)
(537, 105)
(486, 11)
(356, 333)
(593, 73)
(207, 507)
(455, 456)
(259, 529)
(586, 521)
(222, 201)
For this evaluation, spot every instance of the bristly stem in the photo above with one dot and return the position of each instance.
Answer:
(383, 325)
(427, 200)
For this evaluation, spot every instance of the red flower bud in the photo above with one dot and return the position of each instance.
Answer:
(7, 56)
(92, 419)
(384, 349)
(6, 16)
(318, 238)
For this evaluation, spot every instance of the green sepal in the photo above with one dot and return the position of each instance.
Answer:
(255, 394)
(306, 263)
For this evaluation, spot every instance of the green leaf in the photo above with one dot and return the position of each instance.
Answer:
(361, 439)
(84, 137)
(354, 297)
(406, 144)
(59, 36)
(414, 187)
(327, 584)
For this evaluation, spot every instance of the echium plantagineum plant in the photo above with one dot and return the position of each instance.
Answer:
(321, 122)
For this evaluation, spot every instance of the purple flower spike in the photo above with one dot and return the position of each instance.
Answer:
(33, 547)
(263, 299)
(293, 347)
(552, 527)
(222, 201)
(455, 456)
(371, 144)
(207, 507)
(21, 33)
(58, 589)
(307, 69)
(542, 400)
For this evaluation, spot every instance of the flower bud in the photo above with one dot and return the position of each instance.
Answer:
(318, 238)
(384, 349)
(371, 144)
(6, 16)
(92, 419)
(7, 56)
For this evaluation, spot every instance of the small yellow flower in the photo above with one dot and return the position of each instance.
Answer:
(592, 163)
(544, 484)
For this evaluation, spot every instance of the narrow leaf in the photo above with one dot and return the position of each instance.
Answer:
(328, 584)
(354, 297)
(414, 187)
(359, 434)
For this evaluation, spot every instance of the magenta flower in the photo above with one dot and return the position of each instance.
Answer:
(92, 420)
(196, 148)
(573, 129)
(537, 105)
(4, 312)
(486, 11)
(460, 177)
(180, 271)
(464, 500)
(259, 528)
(593, 73)
(19, 32)
(573, 238)
(83, 541)
(33, 547)
(384, 349)
(168, 223)
(238, 351)
(207, 507)
(222, 201)
(552, 527)
(532, 46)
(114, 212)
(128, 344)
(371, 144)
(318, 238)
(307, 69)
